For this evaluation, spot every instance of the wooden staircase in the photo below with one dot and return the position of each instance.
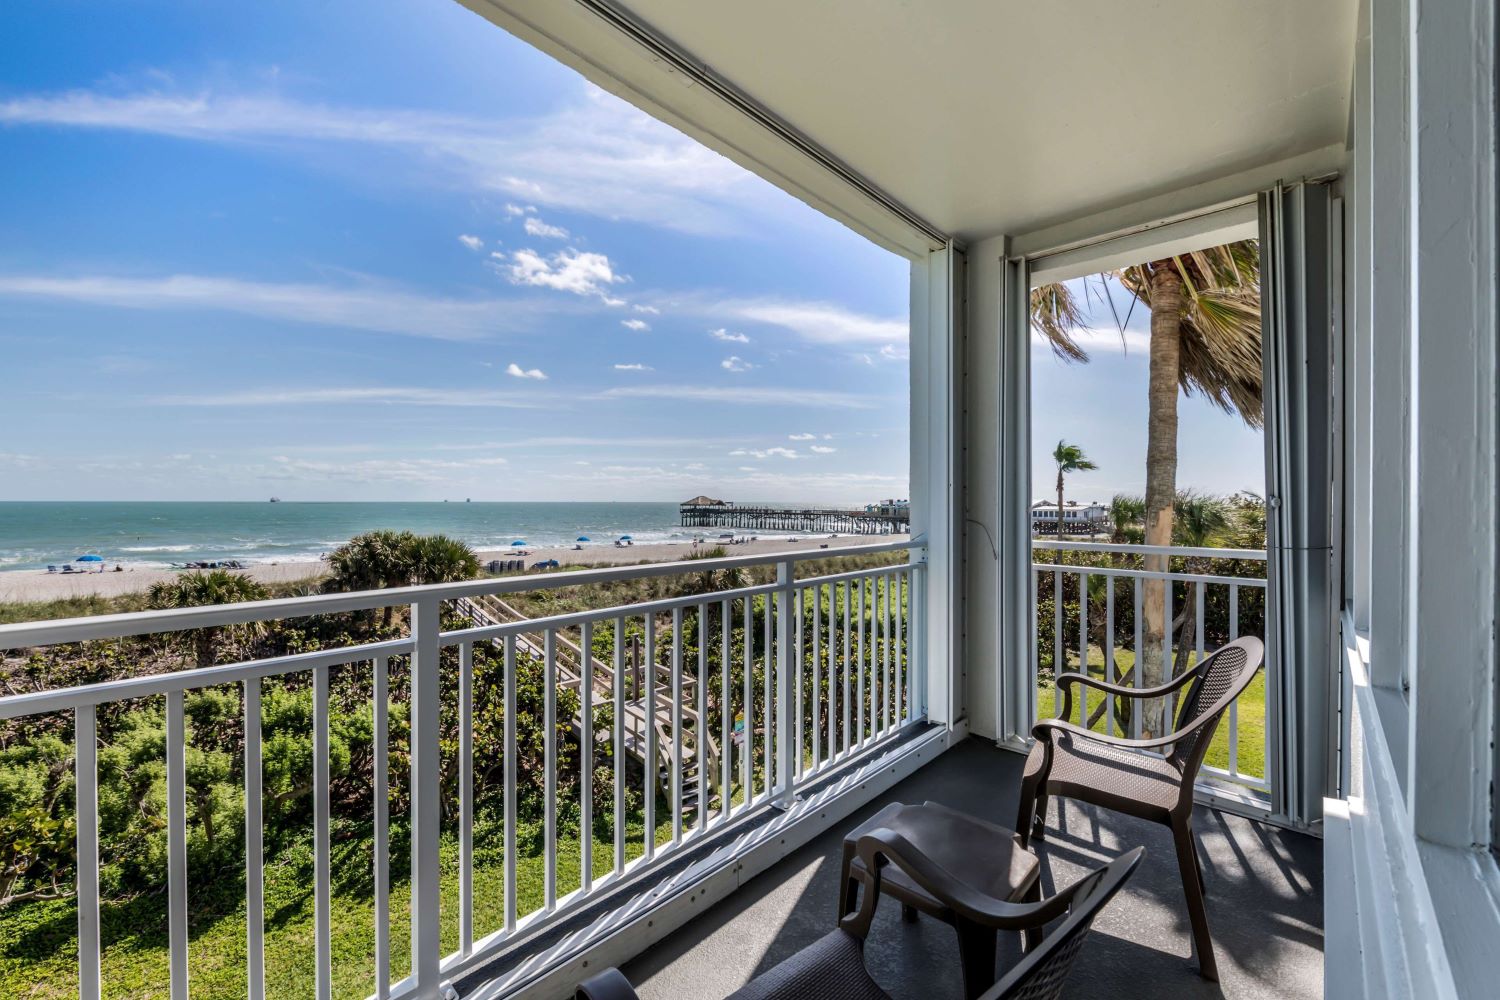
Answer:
(489, 609)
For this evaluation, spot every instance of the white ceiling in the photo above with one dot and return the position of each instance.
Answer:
(995, 116)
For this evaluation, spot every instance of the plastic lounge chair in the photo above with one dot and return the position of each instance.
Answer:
(1106, 770)
(833, 968)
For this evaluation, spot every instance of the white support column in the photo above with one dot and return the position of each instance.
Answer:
(936, 470)
(1453, 357)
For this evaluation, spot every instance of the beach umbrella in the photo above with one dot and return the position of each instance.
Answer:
(89, 558)
(626, 538)
(583, 538)
(518, 544)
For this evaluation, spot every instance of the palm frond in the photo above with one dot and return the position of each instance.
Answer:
(1055, 314)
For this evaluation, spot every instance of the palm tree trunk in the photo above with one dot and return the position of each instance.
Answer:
(1059, 504)
(1167, 302)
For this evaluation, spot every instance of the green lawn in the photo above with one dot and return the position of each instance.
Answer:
(38, 941)
(1251, 709)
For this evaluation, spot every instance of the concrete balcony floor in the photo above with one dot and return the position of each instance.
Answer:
(1265, 904)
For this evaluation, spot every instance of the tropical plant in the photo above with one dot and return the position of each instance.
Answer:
(1127, 517)
(711, 580)
(196, 590)
(380, 559)
(1069, 458)
(1205, 339)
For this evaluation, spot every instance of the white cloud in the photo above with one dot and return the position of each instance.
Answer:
(765, 453)
(536, 227)
(817, 398)
(802, 437)
(735, 363)
(611, 301)
(892, 352)
(472, 242)
(565, 271)
(649, 310)
(517, 371)
(360, 306)
(598, 155)
(515, 210)
(399, 470)
(822, 322)
(638, 325)
(822, 449)
(637, 367)
(727, 337)
(363, 396)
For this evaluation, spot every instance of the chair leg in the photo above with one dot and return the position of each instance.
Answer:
(1198, 861)
(1032, 936)
(1031, 816)
(849, 900)
(976, 954)
(1192, 885)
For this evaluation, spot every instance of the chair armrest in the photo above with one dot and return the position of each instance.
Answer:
(1065, 682)
(1074, 677)
(883, 846)
(1043, 731)
(610, 984)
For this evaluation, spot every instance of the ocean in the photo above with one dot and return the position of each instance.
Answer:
(158, 535)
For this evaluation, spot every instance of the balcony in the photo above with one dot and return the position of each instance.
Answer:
(1265, 904)
(771, 702)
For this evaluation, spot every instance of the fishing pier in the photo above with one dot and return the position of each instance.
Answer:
(889, 517)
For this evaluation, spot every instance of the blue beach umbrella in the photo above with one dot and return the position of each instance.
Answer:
(625, 538)
(518, 544)
(583, 538)
(89, 558)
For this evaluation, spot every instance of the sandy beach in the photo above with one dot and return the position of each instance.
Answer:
(39, 585)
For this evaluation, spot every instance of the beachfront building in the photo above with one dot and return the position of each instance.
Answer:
(1077, 518)
(997, 146)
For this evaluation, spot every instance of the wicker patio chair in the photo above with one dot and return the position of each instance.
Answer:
(1109, 771)
(833, 968)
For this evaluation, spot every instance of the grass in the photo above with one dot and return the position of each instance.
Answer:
(1250, 708)
(38, 941)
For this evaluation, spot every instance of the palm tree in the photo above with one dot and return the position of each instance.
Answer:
(196, 590)
(1199, 521)
(379, 559)
(439, 559)
(1205, 339)
(1069, 458)
(1126, 516)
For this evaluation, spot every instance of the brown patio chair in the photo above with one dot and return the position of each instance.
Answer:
(833, 968)
(1109, 771)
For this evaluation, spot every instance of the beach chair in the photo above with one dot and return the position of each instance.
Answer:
(51, 569)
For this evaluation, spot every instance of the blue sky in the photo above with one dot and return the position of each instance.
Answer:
(384, 250)
(380, 249)
(1101, 407)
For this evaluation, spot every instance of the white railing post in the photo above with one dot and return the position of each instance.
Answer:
(426, 799)
(783, 796)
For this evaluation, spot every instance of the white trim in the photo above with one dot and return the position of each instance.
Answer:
(1210, 229)
(1145, 214)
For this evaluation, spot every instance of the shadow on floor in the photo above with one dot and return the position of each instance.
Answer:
(1265, 904)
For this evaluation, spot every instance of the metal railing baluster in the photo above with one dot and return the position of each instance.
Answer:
(510, 784)
(676, 726)
(586, 760)
(466, 798)
(617, 764)
(177, 871)
(322, 876)
(381, 861)
(86, 796)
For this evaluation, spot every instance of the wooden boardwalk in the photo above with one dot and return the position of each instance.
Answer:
(569, 657)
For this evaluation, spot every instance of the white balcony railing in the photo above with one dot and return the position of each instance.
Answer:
(1201, 604)
(828, 668)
